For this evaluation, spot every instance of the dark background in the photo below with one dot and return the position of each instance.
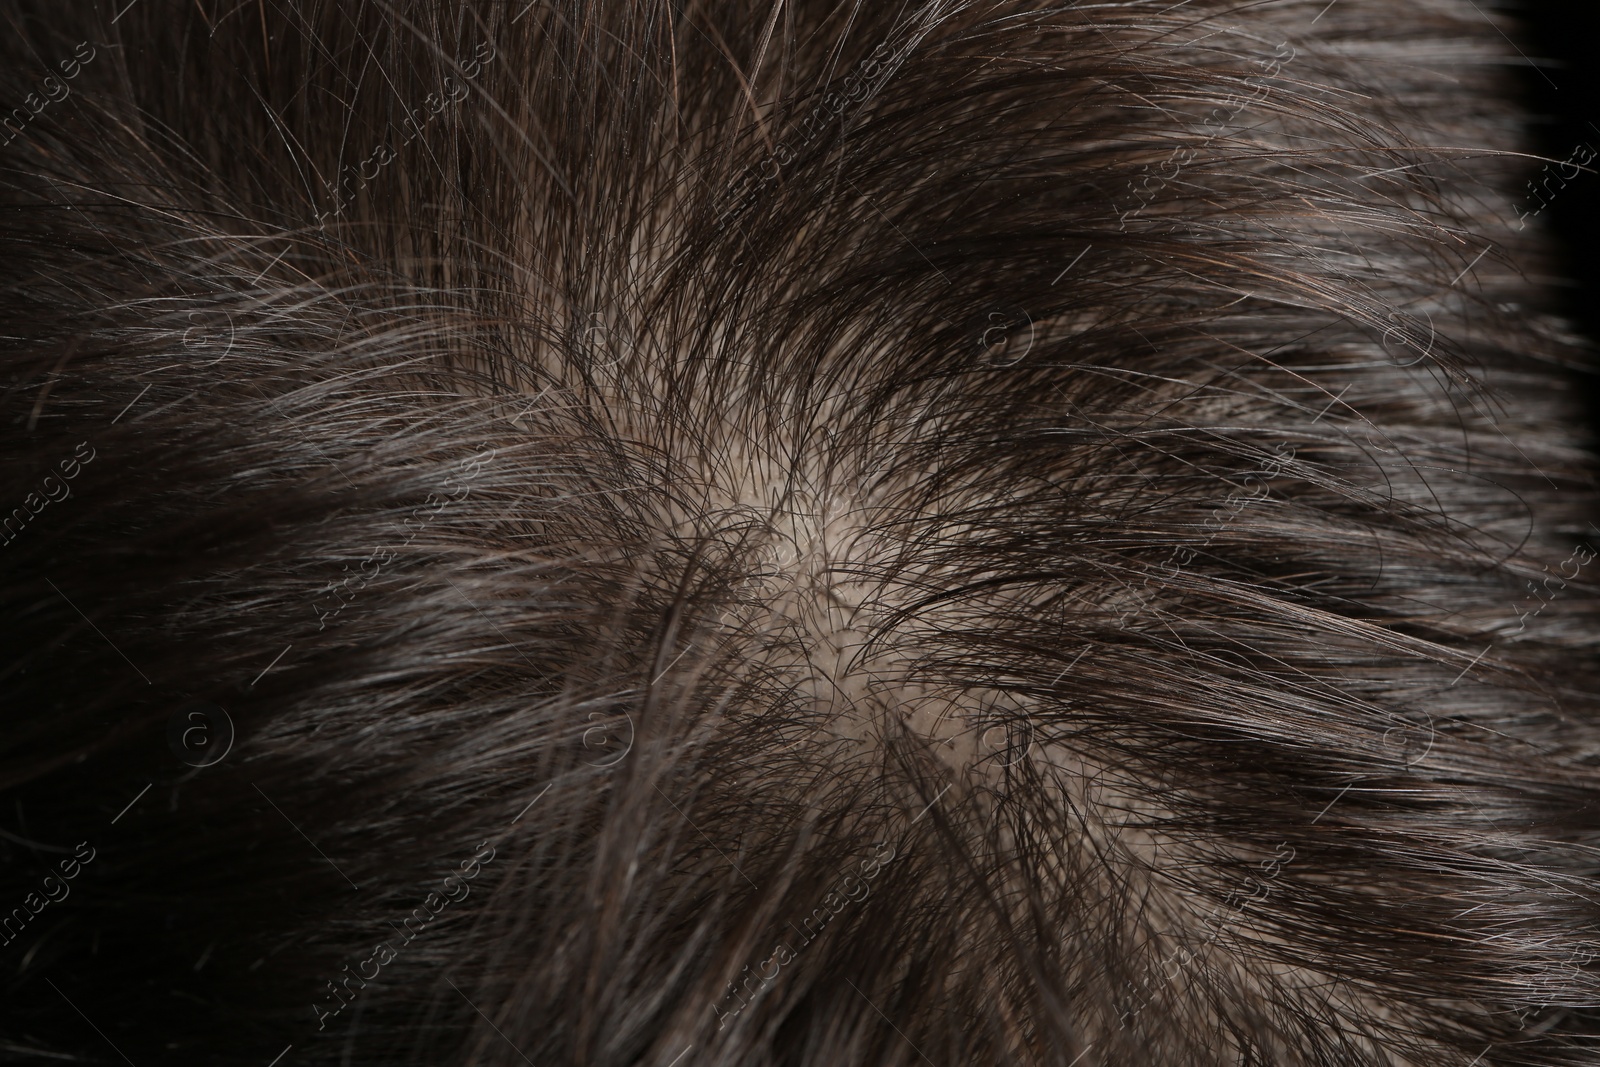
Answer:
(1562, 38)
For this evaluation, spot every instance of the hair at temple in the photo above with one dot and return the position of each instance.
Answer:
(611, 532)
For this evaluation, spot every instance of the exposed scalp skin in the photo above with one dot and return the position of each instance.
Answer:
(1069, 520)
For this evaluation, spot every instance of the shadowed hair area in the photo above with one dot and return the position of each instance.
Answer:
(639, 533)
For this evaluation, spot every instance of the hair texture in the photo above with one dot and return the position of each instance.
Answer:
(617, 532)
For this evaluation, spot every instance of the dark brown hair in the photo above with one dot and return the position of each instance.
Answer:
(613, 532)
